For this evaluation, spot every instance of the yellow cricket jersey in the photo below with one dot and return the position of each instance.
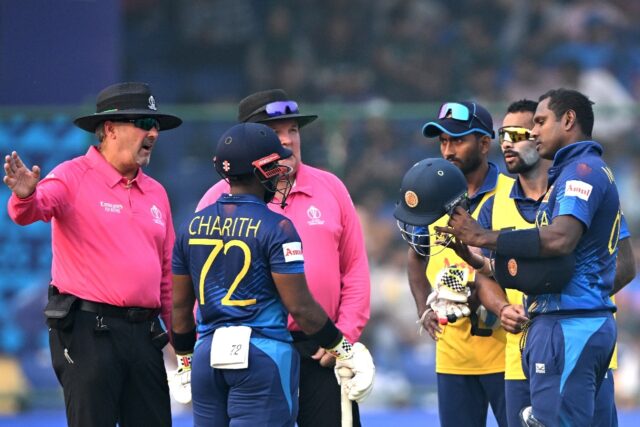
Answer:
(457, 351)
(505, 214)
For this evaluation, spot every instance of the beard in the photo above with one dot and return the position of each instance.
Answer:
(525, 162)
(469, 165)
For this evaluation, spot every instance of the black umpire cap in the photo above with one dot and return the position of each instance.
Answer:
(130, 100)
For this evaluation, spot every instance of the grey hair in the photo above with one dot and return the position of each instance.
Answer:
(100, 134)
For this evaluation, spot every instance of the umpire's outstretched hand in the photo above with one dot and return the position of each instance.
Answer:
(18, 177)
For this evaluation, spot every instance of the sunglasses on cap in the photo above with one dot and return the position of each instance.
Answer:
(146, 123)
(460, 112)
(513, 134)
(278, 108)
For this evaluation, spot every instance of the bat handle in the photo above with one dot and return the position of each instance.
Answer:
(345, 404)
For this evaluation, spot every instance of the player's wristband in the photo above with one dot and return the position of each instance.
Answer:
(342, 350)
(328, 336)
(519, 243)
(184, 343)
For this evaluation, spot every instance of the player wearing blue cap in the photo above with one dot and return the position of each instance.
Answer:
(469, 356)
(572, 333)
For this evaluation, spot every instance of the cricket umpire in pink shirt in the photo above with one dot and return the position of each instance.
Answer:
(336, 266)
(112, 237)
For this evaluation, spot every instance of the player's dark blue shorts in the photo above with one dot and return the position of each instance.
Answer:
(463, 400)
(517, 397)
(265, 394)
(566, 358)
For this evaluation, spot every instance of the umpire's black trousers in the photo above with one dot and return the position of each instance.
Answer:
(117, 374)
(319, 402)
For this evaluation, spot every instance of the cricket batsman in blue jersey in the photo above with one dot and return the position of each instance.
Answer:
(572, 333)
(244, 265)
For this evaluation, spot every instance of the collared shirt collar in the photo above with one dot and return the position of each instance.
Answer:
(567, 154)
(489, 184)
(302, 183)
(111, 175)
(230, 198)
(517, 193)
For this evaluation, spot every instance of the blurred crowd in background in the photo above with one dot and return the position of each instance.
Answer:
(374, 71)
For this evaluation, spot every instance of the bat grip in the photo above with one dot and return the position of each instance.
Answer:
(345, 404)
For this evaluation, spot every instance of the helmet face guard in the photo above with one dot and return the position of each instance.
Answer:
(431, 189)
(419, 238)
(270, 174)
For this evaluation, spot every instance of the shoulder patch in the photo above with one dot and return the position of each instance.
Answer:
(292, 251)
(579, 189)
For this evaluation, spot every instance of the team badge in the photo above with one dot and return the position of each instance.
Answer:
(226, 166)
(583, 169)
(152, 103)
(512, 267)
(411, 199)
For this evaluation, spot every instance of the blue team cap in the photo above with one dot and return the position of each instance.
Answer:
(460, 119)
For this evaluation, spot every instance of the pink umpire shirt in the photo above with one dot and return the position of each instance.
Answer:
(112, 239)
(335, 260)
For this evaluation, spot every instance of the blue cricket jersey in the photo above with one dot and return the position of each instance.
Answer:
(230, 250)
(581, 185)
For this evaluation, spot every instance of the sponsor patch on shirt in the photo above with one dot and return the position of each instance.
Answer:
(540, 368)
(292, 251)
(579, 189)
(111, 207)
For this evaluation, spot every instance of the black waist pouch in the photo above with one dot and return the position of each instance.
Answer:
(159, 337)
(60, 310)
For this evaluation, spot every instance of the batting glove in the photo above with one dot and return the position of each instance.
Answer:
(357, 359)
(180, 383)
(449, 299)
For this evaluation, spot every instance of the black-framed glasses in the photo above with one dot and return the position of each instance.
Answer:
(513, 134)
(278, 108)
(460, 112)
(146, 123)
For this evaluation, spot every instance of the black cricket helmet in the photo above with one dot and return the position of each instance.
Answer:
(254, 148)
(431, 189)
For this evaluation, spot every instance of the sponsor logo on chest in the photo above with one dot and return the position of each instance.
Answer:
(111, 207)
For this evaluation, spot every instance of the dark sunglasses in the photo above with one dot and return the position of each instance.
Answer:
(460, 112)
(513, 134)
(278, 108)
(146, 123)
